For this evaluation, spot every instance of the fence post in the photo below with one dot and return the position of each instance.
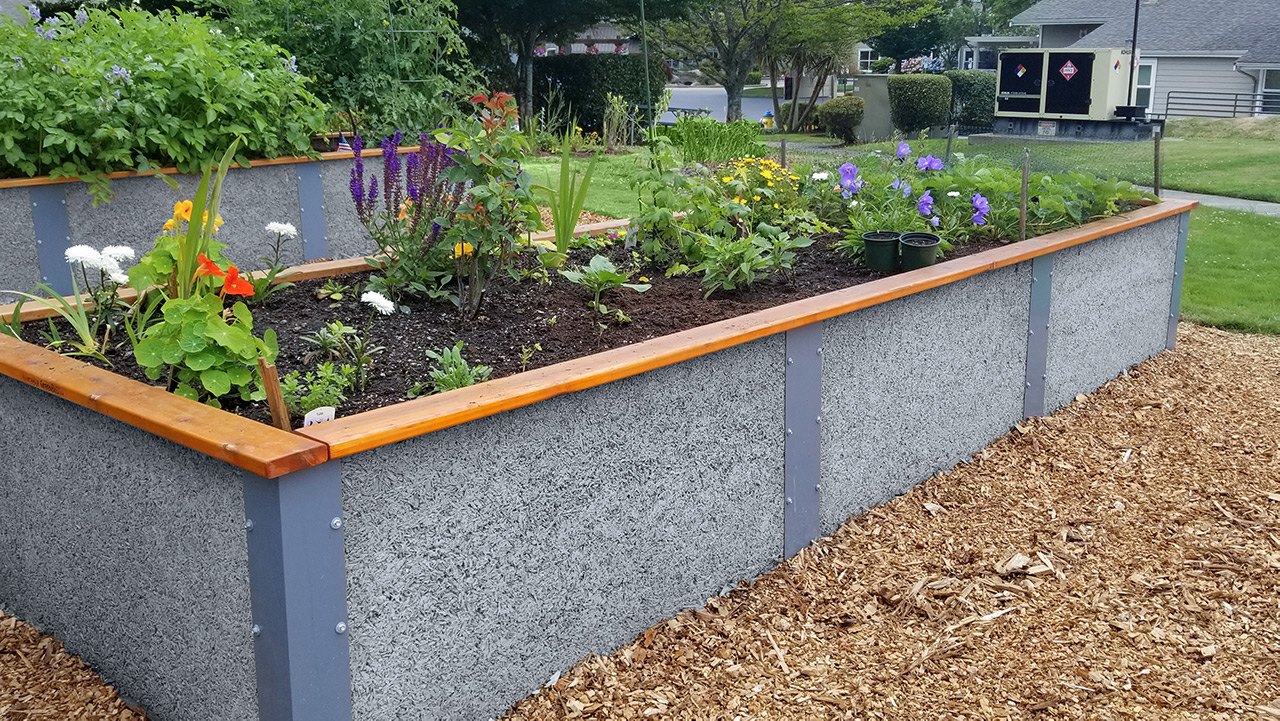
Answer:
(1156, 138)
(801, 514)
(1022, 206)
(784, 152)
(951, 132)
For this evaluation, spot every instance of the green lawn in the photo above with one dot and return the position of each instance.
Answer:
(1233, 271)
(610, 193)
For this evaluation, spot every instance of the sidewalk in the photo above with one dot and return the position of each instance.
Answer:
(1219, 201)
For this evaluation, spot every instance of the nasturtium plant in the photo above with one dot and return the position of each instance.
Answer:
(210, 354)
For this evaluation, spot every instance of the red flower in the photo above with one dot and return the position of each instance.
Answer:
(208, 267)
(235, 285)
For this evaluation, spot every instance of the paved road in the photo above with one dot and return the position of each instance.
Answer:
(713, 98)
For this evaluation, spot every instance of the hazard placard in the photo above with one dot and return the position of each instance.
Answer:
(1069, 70)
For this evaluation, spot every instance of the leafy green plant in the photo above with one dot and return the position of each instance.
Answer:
(566, 204)
(732, 263)
(917, 102)
(454, 372)
(330, 342)
(973, 97)
(706, 140)
(526, 355)
(599, 275)
(332, 290)
(840, 117)
(779, 248)
(131, 90)
(325, 386)
(73, 312)
(210, 355)
(12, 327)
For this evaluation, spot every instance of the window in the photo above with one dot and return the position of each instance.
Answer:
(865, 58)
(1271, 91)
(1145, 84)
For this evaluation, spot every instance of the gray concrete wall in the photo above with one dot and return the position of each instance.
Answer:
(484, 558)
(913, 386)
(348, 238)
(1109, 309)
(877, 123)
(131, 549)
(19, 265)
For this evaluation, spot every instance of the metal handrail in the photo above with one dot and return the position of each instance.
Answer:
(1214, 104)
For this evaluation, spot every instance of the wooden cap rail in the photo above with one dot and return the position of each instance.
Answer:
(270, 452)
(253, 446)
(256, 163)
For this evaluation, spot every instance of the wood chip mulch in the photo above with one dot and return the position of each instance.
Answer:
(1118, 560)
(584, 217)
(40, 680)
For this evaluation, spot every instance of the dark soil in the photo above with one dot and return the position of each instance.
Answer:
(518, 315)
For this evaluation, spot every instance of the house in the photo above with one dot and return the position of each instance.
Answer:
(1185, 46)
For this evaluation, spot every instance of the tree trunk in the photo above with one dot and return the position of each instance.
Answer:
(793, 117)
(824, 72)
(524, 84)
(733, 90)
(773, 92)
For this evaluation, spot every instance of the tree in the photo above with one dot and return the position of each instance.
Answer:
(908, 41)
(1000, 12)
(730, 36)
(816, 37)
(517, 26)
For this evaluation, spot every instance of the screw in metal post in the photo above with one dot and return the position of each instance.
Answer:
(341, 627)
(257, 630)
(248, 524)
(336, 523)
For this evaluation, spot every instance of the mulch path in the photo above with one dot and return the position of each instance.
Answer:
(1118, 560)
(40, 680)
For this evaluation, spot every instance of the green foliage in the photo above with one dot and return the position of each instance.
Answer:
(706, 140)
(882, 65)
(754, 77)
(840, 117)
(917, 102)
(73, 312)
(325, 386)
(339, 342)
(731, 263)
(566, 204)
(129, 90)
(599, 275)
(358, 66)
(210, 356)
(973, 97)
(587, 80)
(454, 372)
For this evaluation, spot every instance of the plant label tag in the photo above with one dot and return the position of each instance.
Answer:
(323, 414)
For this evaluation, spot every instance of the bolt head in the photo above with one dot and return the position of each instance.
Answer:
(248, 524)
(257, 630)
(336, 523)
(341, 627)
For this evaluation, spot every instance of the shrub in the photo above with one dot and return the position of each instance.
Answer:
(917, 102)
(128, 90)
(882, 65)
(586, 80)
(840, 117)
(754, 77)
(973, 97)
(706, 140)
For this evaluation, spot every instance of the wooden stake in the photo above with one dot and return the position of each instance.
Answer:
(1022, 208)
(1157, 179)
(275, 398)
(784, 152)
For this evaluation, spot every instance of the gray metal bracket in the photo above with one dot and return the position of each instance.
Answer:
(315, 231)
(1038, 336)
(803, 439)
(297, 577)
(1179, 268)
(53, 235)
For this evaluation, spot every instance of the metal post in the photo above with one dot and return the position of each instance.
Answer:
(644, 40)
(951, 131)
(1038, 336)
(1133, 50)
(53, 235)
(1156, 142)
(297, 579)
(315, 232)
(803, 440)
(1022, 206)
(1179, 266)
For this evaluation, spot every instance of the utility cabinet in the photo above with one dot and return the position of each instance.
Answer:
(1063, 84)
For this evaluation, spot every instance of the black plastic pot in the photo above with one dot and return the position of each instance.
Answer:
(919, 250)
(880, 250)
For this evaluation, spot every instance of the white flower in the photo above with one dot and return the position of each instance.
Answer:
(953, 194)
(285, 229)
(83, 254)
(821, 176)
(118, 253)
(853, 204)
(379, 302)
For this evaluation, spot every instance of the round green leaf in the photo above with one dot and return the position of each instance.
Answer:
(216, 382)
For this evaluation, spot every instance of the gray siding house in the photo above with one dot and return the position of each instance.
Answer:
(1185, 46)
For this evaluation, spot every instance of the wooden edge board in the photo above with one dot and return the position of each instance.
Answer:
(255, 163)
(253, 446)
(371, 429)
(32, 310)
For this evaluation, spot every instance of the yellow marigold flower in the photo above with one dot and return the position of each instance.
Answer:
(462, 249)
(795, 177)
(766, 174)
(755, 197)
(182, 210)
(776, 205)
(726, 180)
(168, 224)
(770, 183)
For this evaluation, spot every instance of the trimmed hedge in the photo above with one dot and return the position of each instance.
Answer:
(128, 90)
(840, 117)
(585, 80)
(973, 97)
(917, 102)
(754, 77)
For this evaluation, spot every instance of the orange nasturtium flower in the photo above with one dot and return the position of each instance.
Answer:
(168, 224)
(235, 285)
(182, 210)
(208, 267)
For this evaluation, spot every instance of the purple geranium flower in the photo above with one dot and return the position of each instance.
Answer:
(899, 184)
(928, 162)
(925, 205)
(981, 208)
(903, 149)
(850, 181)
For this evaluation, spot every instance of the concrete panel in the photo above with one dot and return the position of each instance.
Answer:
(913, 386)
(485, 558)
(19, 264)
(348, 238)
(251, 198)
(1109, 308)
(132, 550)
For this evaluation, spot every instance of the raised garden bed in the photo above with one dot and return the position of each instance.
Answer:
(444, 556)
